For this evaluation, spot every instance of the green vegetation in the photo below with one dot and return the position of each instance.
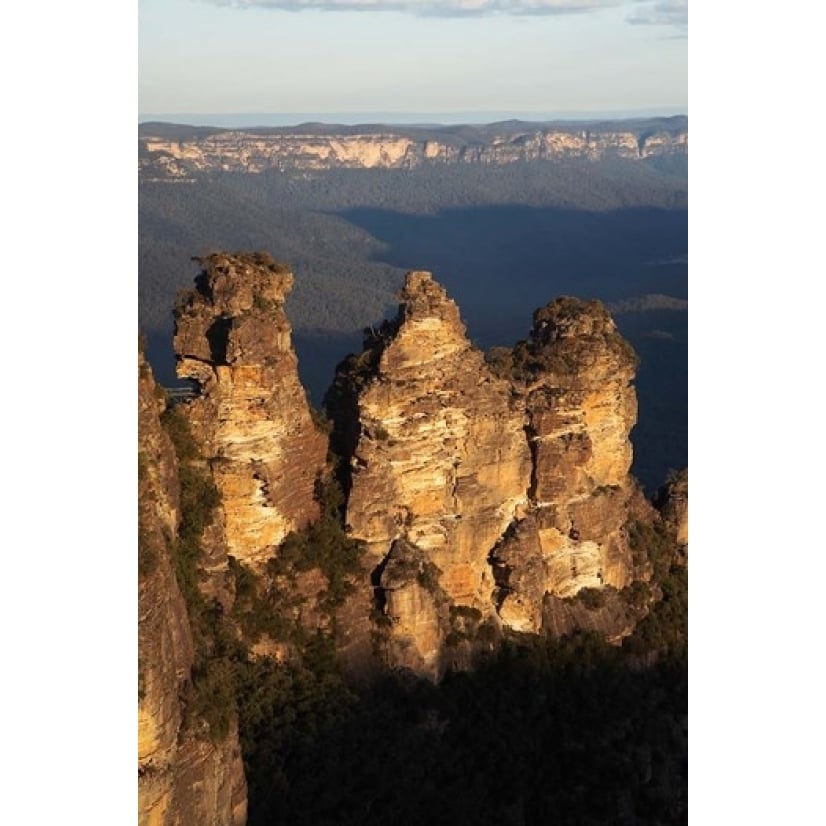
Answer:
(147, 556)
(321, 421)
(323, 545)
(592, 598)
(664, 632)
(567, 732)
(264, 305)
(177, 426)
(209, 695)
(637, 595)
(651, 543)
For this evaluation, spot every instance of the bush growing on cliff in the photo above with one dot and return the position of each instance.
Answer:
(637, 595)
(664, 631)
(209, 697)
(592, 598)
(199, 498)
(651, 543)
(177, 427)
(323, 545)
(257, 608)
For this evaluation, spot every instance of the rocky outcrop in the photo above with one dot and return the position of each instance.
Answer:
(251, 417)
(575, 375)
(672, 502)
(486, 487)
(438, 460)
(179, 157)
(442, 459)
(183, 777)
(487, 492)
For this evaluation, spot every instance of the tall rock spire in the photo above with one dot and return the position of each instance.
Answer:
(251, 417)
(575, 373)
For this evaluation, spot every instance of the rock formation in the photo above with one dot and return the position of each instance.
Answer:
(251, 416)
(574, 374)
(183, 776)
(486, 487)
(440, 464)
(491, 494)
(672, 502)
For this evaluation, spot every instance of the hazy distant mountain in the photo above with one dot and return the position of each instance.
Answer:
(180, 151)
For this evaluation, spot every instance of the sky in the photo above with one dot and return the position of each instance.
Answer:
(400, 56)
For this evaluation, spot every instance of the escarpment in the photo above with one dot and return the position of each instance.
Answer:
(251, 417)
(167, 156)
(184, 775)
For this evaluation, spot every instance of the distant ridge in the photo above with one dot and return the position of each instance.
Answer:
(247, 120)
(481, 131)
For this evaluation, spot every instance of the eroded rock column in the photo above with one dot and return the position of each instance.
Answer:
(251, 418)
(575, 373)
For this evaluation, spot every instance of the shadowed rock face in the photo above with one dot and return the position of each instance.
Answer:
(672, 502)
(183, 777)
(252, 418)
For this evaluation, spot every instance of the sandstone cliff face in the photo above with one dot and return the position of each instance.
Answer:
(442, 459)
(182, 778)
(251, 418)
(482, 491)
(439, 469)
(574, 373)
(242, 151)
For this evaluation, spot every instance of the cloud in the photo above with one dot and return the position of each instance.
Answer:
(433, 8)
(662, 13)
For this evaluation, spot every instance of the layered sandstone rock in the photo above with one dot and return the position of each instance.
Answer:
(513, 486)
(416, 608)
(574, 374)
(439, 460)
(251, 417)
(182, 777)
(331, 148)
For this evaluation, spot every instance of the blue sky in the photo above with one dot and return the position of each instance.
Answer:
(432, 56)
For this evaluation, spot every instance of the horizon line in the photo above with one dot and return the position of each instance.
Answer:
(442, 118)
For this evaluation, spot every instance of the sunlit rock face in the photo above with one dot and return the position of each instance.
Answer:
(255, 152)
(251, 417)
(511, 484)
(439, 462)
(442, 460)
(575, 375)
(183, 777)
